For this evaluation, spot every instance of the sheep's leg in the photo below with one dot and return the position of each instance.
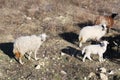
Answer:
(29, 57)
(80, 41)
(18, 56)
(88, 56)
(20, 60)
(80, 44)
(36, 54)
(84, 58)
(101, 57)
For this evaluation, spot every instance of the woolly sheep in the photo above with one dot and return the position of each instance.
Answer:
(29, 45)
(92, 32)
(95, 49)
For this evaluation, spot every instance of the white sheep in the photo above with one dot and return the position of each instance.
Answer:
(29, 45)
(92, 33)
(95, 49)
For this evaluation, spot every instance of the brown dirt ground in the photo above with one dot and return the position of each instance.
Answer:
(62, 21)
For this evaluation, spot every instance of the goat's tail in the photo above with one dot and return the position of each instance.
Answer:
(113, 15)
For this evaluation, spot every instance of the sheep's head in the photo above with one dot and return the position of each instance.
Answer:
(104, 27)
(103, 43)
(43, 37)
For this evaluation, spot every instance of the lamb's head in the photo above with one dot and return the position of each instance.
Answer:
(104, 43)
(43, 37)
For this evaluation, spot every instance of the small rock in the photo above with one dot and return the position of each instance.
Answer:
(1, 74)
(111, 72)
(62, 54)
(85, 78)
(37, 67)
(102, 70)
(63, 72)
(11, 61)
(119, 69)
(91, 74)
(103, 76)
(28, 18)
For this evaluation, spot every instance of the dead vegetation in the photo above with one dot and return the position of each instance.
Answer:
(62, 21)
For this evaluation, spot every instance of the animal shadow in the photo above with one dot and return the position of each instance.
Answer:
(70, 37)
(72, 52)
(113, 49)
(7, 48)
(87, 23)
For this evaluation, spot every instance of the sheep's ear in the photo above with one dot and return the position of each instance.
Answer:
(114, 15)
(102, 44)
(102, 27)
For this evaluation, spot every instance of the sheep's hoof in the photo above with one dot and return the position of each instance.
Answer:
(83, 60)
(102, 60)
(80, 45)
(22, 63)
(28, 58)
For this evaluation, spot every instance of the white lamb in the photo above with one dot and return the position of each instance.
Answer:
(92, 32)
(29, 45)
(95, 49)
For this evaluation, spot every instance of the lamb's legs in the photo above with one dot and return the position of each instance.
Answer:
(84, 58)
(29, 55)
(35, 55)
(89, 57)
(101, 58)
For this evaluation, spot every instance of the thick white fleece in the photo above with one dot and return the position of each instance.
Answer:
(95, 49)
(92, 32)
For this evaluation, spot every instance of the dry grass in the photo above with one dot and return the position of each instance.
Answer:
(62, 21)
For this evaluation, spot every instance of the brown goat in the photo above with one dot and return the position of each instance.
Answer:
(108, 20)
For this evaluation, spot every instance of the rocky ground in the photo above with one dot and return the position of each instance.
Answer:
(60, 56)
